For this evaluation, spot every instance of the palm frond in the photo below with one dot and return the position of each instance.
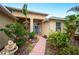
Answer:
(75, 9)
(24, 9)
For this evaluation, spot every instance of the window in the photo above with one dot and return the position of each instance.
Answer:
(77, 24)
(58, 26)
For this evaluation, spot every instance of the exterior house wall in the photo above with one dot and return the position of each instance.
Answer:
(4, 19)
(53, 25)
(49, 26)
(17, 13)
(32, 16)
(36, 16)
(45, 27)
(63, 26)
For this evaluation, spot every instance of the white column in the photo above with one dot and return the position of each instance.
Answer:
(31, 25)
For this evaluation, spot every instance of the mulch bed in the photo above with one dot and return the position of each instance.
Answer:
(51, 50)
(24, 50)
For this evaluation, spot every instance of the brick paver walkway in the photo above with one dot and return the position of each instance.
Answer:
(39, 48)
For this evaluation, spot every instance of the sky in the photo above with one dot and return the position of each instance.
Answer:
(52, 9)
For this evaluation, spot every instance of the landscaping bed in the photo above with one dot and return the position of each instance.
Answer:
(21, 37)
(71, 50)
(59, 44)
(25, 50)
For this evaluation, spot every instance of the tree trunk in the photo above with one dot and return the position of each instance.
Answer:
(72, 40)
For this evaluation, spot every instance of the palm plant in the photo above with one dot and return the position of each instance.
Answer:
(70, 25)
(75, 9)
(24, 11)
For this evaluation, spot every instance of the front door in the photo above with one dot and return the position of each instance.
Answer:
(36, 27)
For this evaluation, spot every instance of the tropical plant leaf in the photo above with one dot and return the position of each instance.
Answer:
(24, 9)
(75, 9)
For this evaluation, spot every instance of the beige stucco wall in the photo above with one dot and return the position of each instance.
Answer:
(29, 15)
(4, 19)
(49, 26)
(45, 28)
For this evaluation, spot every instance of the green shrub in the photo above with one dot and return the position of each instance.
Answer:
(32, 35)
(71, 50)
(58, 39)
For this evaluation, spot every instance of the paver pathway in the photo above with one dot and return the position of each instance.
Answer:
(39, 48)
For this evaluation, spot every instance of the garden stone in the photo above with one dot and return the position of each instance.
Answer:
(10, 48)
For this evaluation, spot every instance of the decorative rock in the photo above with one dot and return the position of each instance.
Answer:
(10, 48)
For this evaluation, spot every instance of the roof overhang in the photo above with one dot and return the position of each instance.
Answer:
(7, 12)
(20, 10)
(54, 18)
